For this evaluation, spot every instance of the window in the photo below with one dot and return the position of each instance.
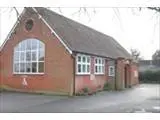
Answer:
(99, 66)
(29, 25)
(111, 71)
(83, 64)
(29, 57)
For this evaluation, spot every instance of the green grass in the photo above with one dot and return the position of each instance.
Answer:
(5, 88)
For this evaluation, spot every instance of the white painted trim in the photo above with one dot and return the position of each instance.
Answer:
(15, 25)
(25, 73)
(83, 73)
(109, 72)
(40, 17)
(101, 65)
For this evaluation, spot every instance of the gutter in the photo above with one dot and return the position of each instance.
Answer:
(115, 74)
(74, 72)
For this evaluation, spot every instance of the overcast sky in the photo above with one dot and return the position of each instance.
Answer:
(129, 26)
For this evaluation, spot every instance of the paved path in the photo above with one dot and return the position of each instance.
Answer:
(142, 98)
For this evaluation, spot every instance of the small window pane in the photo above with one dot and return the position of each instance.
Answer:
(22, 45)
(98, 69)
(22, 67)
(16, 67)
(79, 68)
(16, 56)
(28, 44)
(84, 59)
(22, 54)
(34, 44)
(88, 59)
(41, 67)
(28, 67)
(102, 61)
(84, 68)
(96, 61)
(41, 55)
(34, 55)
(34, 67)
(41, 45)
(111, 69)
(28, 56)
(88, 68)
(79, 58)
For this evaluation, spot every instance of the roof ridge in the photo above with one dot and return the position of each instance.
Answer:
(75, 21)
(93, 29)
(74, 32)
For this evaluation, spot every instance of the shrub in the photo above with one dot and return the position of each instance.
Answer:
(99, 88)
(85, 89)
(106, 86)
(80, 93)
(149, 76)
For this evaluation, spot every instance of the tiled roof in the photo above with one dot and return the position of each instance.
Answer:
(80, 38)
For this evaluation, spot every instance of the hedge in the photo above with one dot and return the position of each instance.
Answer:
(149, 76)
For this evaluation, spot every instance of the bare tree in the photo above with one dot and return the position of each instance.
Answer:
(135, 54)
(156, 55)
(156, 9)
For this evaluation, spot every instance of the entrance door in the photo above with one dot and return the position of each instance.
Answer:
(126, 76)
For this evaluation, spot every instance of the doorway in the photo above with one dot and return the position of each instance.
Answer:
(126, 76)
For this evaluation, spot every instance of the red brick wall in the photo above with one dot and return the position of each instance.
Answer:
(82, 81)
(128, 75)
(120, 74)
(0, 70)
(131, 79)
(134, 79)
(58, 76)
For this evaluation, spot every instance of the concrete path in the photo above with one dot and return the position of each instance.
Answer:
(142, 98)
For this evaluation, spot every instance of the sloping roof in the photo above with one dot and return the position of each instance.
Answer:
(80, 38)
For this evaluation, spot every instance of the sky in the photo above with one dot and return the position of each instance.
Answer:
(130, 27)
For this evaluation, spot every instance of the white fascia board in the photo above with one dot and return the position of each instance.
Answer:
(70, 51)
(13, 28)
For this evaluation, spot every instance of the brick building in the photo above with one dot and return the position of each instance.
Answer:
(47, 52)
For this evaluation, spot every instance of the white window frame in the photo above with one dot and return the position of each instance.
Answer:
(36, 61)
(83, 63)
(109, 71)
(100, 65)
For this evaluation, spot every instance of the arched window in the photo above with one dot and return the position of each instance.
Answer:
(29, 57)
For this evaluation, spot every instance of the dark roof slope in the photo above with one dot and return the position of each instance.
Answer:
(81, 38)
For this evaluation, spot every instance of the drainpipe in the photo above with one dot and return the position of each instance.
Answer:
(115, 74)
(74, 59)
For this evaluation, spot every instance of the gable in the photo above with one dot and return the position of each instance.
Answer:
(29, 13)
(77, 37)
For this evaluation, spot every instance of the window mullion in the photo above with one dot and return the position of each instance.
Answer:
(19, 62)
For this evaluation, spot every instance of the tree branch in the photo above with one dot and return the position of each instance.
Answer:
(157, 9)
(17, 13)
